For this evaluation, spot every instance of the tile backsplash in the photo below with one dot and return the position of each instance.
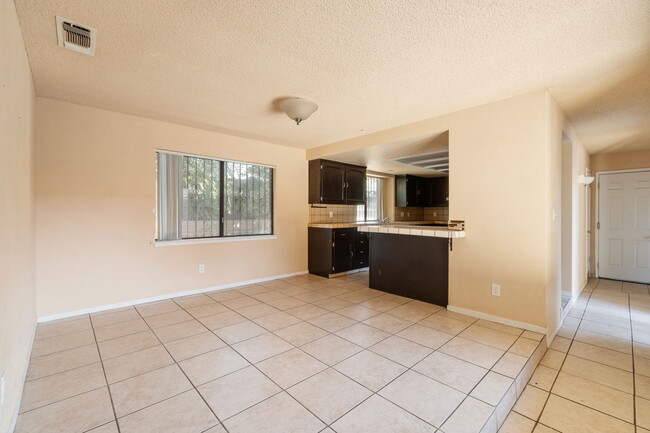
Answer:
(320, 213)
(421, 213)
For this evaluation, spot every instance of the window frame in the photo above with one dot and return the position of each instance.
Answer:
(222, 173)
(365, 206)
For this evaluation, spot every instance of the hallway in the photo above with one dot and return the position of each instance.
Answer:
(595, 376)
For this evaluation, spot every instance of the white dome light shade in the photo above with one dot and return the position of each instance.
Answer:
(298, 109)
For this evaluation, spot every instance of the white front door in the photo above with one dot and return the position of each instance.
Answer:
(624, 226)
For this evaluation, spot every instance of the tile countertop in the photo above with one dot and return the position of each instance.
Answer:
(362, 224)
(438, 232)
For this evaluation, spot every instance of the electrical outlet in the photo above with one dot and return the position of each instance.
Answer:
(496, 289)
(408, 214)
(401, 213)
(435, 214)
(201, 268)
(2, 389)
(331, 214)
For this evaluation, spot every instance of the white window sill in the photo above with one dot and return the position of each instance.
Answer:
(213, 240)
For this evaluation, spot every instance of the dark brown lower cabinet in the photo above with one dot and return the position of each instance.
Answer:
(332, 251)
(412, 266)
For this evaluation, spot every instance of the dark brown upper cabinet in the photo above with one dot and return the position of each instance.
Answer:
(332, 182)
(414, 191)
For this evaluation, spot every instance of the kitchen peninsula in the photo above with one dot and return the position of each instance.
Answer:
(411, 260)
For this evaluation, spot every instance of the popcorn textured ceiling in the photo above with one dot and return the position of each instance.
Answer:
(368, 64)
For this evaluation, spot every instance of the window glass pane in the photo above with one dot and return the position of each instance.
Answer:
(200, 197)
(373, 192)
(361, 212)
(247, 199)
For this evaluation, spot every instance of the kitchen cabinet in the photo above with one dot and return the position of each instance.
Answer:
(415, 191)
(332, 251)
(332, 182)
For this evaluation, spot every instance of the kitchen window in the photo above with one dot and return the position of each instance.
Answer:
(373, 209)
(202, 198)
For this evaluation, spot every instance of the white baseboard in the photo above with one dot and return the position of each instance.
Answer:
(49, 318)
(516, 324)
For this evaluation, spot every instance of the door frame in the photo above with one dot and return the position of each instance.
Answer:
(597, 207)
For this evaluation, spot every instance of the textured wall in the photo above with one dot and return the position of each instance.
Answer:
(17, 294)
(95, 192)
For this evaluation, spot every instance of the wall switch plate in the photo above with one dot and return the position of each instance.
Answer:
(2, 389)
(201, 268)
(331, 214)
(496, 290)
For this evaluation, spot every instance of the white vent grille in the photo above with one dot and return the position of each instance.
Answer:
(76, 37)
(436, 161)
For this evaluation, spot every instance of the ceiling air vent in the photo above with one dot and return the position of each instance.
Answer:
(436, 161)
(76, 37)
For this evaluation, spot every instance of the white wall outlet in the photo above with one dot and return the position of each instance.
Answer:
(331, 214)
(401, 213)
(2, 389)
(435, 214)
(201, 268)
(408, 214)
(496, 289)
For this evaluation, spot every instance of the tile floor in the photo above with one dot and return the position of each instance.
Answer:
(307, 354)
(595, 376)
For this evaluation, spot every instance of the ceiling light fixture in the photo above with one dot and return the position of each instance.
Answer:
(298, 109)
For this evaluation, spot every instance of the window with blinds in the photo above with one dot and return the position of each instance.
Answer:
(199, 197)
(372, 210)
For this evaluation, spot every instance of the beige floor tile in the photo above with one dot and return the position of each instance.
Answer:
(46, 346)
(307, 311)
(300, 333)
(241, 302)
(329, 394)
(224, 295)
(76, 414)
(492, 388)
(186, 412)
(601, 355)
(524, 347)
(641, 350)
(560, 344)
(642, 386)
(516, 423)
(207, 310)
(130, 343)
(599, 373)
(470, 351)
(269, 296)
(358, 312)
(404, 352)
(370, 370)
(388, 323)
(111, 427)
(470, 416)
(381, 304)
(166, 319)
(67, 326)
(531, 402)
(62, 361)
(109, 317)
(517, 332)
(194, 345)
(262, 347)
(445, 324)
(489, 337)
(425, 336)
(141, 391)
(331, 349)
(193, 301)
(566, 416)
(602, 398)
(379, 415)
(257, 311)
(253, 289)
(220, 320)
(642, 366)
(409, 312)
(56, 387)
(276, 321)
(424, 397)
(209, 366)
(362, 335)
(120, 329)
(601, 318)
(510, 365)
(278, 414)
(543, 377)
(642, 412)
(179, 330)
(332, 322)
(288, 303)
(553, 359)
(291, 367)
(533, 335)
(135, 363)
(451, 371)
(237, 391)
(605, 341)
(311, 296)
(158, 307)
(239, 332)
(606, 329)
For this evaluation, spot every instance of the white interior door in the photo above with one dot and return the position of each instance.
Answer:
(624, 226)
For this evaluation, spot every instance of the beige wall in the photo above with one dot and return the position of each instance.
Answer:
(499, 181)
(17, 140)
(95, 192)
(609, 162)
